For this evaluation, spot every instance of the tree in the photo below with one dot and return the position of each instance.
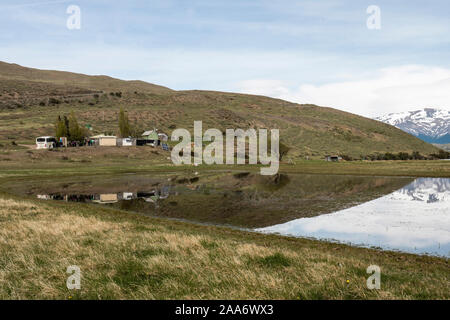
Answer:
(283, 149)
(136, 128)
(75, 132)
(124, 125)
(60, 128)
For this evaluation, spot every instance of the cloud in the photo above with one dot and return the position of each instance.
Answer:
(392, 89)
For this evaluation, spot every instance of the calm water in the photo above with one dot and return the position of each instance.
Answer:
(411, 215)
(242, 200)
(415, 218)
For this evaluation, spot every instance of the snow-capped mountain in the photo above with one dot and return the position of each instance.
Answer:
(430, 125)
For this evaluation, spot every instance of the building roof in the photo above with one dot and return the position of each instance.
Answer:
(151, 135)
(102, 136)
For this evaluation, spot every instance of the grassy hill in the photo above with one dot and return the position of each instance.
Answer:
(31, 99)
(15, 72)
(445, 147)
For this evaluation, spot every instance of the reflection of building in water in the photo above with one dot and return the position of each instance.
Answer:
(126, 196)
(149, 196)
(105, 198)
(164, 194)
(44, 196)
(155, 195)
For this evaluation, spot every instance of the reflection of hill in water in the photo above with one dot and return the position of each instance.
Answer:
(424, 189)
(241, 199)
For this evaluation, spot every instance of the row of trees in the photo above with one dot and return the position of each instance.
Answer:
(69, 127)
(128, 129)
(401, 156)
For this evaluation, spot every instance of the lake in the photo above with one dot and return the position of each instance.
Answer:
(395, 213)
(415, 219)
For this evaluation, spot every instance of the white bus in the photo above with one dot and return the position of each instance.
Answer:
(45, 143)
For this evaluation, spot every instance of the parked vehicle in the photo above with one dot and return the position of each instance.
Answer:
(45, 142)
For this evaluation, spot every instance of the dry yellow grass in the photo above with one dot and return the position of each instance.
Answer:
(124, 256)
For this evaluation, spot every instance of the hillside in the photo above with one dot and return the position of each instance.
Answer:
(104, 83)
(31, 99)
(445, 147)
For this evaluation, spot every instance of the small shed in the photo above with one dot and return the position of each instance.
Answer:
(151, 137)
(104, 141)
(333, 158)
(126, 142)
(163, 137)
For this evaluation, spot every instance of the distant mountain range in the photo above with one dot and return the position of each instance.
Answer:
(429, 124)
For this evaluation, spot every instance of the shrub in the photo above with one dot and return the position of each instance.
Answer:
(403, 156)
(441, 155)
(346, 157)
(53, 101)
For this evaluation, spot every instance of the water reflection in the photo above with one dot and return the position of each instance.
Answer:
(109, 198)
(415, 218)
(240, 199)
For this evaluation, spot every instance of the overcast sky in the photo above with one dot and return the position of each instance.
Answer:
(319, 52)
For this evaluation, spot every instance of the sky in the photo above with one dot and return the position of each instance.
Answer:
(305, 51)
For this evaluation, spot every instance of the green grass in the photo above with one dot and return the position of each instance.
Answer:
(276, 260)
(110, 160)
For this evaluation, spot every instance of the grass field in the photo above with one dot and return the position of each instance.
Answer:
(123, 256)
(89, 160)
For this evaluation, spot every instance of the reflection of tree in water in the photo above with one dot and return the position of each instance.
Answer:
(273, 183)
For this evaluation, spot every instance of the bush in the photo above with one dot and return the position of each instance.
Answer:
(397, 156)
(441, 155)
(346, 157)
(417, 156)
(53, 101)
(403, 156)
